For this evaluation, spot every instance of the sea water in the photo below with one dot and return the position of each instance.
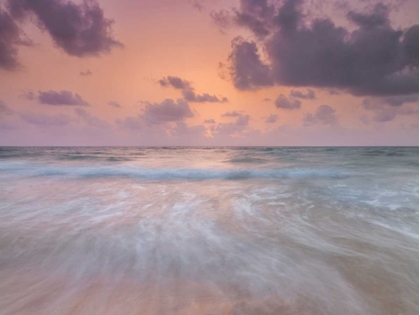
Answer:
(227, 230)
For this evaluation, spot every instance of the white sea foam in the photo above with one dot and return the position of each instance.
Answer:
(166, 235)
(137, 172)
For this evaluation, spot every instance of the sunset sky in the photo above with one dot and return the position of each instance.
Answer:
(209, 72)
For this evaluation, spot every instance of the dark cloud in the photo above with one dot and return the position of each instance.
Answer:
(373, 59)
(288, 18)
(209, 121)
(266, 99)
(167, 111)
(9, 39)
(60, 98)
(79, 29)
(188, 92)
(309, 95)
(255, 14)
(410, 46)
(377, 18)
(45, 120)
(325, 115)
(90, 120)
(85, 73)
(271, 119)
(114, 104)
(287, 103)
(248, 71)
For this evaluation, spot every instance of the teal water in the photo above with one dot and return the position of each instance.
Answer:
(209, 230)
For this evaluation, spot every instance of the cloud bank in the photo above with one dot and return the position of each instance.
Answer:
(373, 58)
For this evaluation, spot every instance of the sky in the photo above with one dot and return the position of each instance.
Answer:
(209, 72)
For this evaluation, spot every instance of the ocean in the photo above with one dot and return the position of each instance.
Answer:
(209, 231)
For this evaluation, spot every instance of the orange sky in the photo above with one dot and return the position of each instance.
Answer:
(173, 38)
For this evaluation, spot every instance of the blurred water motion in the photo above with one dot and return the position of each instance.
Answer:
(209, 231)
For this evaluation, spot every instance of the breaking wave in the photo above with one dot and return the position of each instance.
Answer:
(169, 173)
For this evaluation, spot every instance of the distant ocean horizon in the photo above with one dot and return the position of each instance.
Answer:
(206, 146)
(209, 230)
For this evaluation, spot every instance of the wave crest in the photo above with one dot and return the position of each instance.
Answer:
(169, 173)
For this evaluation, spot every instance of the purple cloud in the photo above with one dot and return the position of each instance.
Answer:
(385, 116)
(198, 5)
(249, 72)
(157, 118)
(378, 17)
(372, 59)
(325, 115)
(400, 99)
(374, 103)
(271, 119)
(222, 18)
(58, 98)
(254, 15)
(182, 129)
(242, 120)
(90, 120)
(167, 111)
(191, 96)
(9, 39)
(388, 108)
(309, 95)
(232, 114)
(188, 91)
(284, 102)
(209, 121)
(175, 82)
(381, 115)
(235, 128)
(79, 29)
